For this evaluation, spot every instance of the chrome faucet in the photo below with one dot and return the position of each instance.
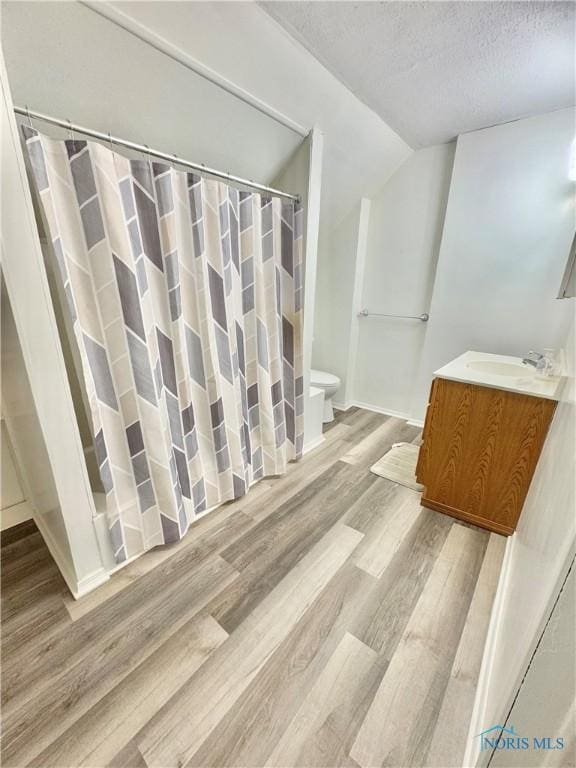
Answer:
(536, 360)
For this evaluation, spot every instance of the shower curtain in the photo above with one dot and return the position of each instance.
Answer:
(186, 299)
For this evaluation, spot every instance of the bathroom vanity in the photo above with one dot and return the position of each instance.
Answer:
(485, 426)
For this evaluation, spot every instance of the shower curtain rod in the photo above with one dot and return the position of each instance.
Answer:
(25, 112)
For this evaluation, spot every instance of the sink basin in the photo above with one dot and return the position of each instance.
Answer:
(507, 370)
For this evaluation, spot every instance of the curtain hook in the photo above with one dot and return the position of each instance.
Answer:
(149, 160)
(71, 129)
(29, 118)
(112, 151)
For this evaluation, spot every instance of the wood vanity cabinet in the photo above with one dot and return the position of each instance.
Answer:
(479, 452)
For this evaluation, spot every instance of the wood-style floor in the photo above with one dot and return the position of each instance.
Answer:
(326, 619)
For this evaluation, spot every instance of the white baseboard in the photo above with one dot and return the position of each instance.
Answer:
(16, 514)
(385, 411)
(78, 588)
(100, 523)
(378, 409)
(416, 423)
(91, 582)
(312, 445)
(341, 406)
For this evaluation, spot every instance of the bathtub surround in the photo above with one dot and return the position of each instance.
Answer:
(186, 296)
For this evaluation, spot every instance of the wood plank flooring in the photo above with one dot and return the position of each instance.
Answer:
(325, 619)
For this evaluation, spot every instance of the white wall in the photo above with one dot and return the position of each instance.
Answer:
(507, 234)
(546, 703)
(389, 255)
(11, 492)
(21, 419)
(406, 220)
(66, 60)
(82, 61)
(536, 562)
(334, 290)
(242, 44)
(14, 508)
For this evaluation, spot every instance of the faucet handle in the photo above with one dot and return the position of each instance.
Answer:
(535, 359)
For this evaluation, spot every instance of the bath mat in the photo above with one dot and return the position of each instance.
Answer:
(399, 465)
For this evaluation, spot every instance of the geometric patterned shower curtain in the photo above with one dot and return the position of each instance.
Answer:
(186, 299)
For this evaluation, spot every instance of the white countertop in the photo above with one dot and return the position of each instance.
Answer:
(531, 384)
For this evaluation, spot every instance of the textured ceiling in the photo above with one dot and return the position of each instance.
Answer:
(434, 70)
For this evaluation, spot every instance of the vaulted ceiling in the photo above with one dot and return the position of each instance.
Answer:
(434, 70)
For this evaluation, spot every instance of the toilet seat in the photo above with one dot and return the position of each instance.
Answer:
(323, 379)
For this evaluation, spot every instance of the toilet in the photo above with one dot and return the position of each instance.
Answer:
(330, 385)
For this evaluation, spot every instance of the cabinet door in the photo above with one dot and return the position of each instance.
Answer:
(421, 464)
(480, 451)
